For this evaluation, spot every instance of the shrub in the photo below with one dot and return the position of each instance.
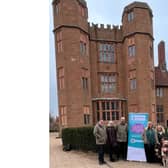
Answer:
(79, 138)
(54, 123)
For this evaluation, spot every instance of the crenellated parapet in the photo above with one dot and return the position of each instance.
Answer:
(104, 27)
(106, 32)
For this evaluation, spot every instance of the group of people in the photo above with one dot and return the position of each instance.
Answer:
(115, 136)
(154, 143)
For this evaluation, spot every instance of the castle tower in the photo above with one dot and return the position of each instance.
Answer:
(72, 62)
(161, 56)
(138, 51)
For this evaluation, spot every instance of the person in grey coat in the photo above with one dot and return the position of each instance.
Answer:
(122, 132)
(101, 137)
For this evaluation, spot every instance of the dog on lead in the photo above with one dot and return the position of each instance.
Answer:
(164, 153)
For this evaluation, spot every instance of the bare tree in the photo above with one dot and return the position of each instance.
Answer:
(54, 123)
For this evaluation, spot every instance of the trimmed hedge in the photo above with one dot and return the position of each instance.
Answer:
(81, 138)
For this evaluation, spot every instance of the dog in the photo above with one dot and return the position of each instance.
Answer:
(164, 152)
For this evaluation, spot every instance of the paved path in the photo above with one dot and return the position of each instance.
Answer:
(77, 159)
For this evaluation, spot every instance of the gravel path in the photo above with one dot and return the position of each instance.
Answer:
(78, 159)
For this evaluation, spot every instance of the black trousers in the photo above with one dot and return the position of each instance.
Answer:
(150, 153)
(100, 149)
(112, 150)
(122, 152)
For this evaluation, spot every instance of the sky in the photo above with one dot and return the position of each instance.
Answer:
(110, 12)
(53, 100)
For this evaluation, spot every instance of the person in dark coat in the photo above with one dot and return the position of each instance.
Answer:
(161, 136)
(111, 140)
(160, 133)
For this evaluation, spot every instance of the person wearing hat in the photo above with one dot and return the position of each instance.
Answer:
(101, 138)
(111, 139)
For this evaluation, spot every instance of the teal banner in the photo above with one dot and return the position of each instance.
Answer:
(136, 125)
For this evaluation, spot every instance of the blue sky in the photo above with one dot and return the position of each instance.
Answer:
(53, 101)
(110, 12)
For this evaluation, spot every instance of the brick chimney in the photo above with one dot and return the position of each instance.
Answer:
(161, 56)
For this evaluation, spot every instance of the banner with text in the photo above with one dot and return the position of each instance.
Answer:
(136, 125)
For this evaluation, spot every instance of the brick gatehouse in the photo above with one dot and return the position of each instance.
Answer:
(105, 72)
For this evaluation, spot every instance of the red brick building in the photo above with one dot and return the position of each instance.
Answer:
(105, 73)
(161, 80)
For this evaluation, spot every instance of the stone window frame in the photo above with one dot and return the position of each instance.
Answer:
(159, 92)
(57, 8)
(159, 108)
(160, 113)
(107, 53)
(61, 78)
(108, 109)
(108, 82)
(63, 115)
(132, 50)
(59, 41)
(83, 48)
(130, 16)
(133, 84)
(85, 78)
(83, 44)
(82, 11)
(85, 83)
(86, 115)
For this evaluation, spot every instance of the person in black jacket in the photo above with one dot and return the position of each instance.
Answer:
(160, 133)
(161, 136)
(111, 140)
